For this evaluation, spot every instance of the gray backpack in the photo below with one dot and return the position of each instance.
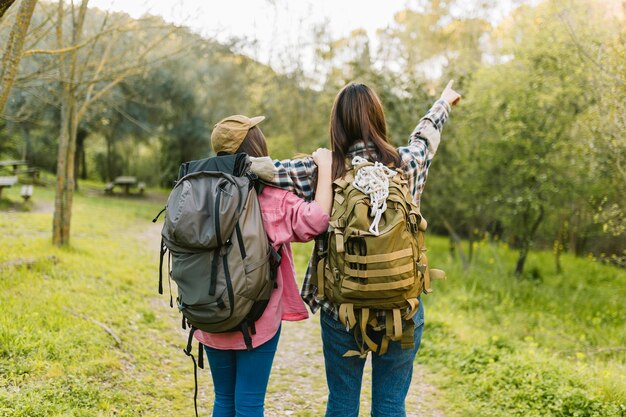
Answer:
(220, 256)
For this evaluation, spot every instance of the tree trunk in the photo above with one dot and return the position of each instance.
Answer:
(13, 52)
(521, 259)
(109, 141)
(457, 240)
(560, 245)
(69, 125)
(59, 232)
(558, 249)
(80, 169)
(527, 241)
(83, 163)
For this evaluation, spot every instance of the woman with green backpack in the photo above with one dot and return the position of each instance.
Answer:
(358, 133)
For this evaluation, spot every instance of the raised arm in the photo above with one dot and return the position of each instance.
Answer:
(429, 127)
(424, 141)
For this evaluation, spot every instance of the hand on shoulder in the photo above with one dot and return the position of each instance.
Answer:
(323, 158)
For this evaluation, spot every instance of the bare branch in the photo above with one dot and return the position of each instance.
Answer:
(103, 91)
(4, 6)
(86, 42)
(101, 65)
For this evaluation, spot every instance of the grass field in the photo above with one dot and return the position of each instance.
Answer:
(84, 333)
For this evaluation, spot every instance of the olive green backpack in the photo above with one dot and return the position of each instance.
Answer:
(375, 259)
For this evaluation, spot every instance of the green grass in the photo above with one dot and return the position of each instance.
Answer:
(56, 357)
(545, 345)
(494, 345)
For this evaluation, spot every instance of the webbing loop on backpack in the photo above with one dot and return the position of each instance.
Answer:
(414, 306)
(339, 241)
(347, 316)
(275, 259)
(320, 278)
(375, 273)
(426, 273)
(408, 337)
(341, 183)
(423, 224)
(384, 345)
(246, 335)
(200, 364)
(414, 221)
(370, 259)
(397, 324)
(365, 312)
(162, 251)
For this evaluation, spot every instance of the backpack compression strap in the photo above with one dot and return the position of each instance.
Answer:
(200, 365)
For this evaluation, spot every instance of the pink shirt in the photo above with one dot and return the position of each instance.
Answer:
(286, 218)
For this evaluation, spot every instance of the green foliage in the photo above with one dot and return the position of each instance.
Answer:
(499, 346)
(533, 155)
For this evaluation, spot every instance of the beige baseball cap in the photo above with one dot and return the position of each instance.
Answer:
(228, 133)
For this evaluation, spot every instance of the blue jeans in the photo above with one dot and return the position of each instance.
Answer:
(391, 373)
(240, 379)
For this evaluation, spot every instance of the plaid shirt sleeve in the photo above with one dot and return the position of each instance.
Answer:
(423, 143)
(296, 175)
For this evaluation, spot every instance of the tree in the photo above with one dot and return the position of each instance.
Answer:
(85, 79)
(13, 50)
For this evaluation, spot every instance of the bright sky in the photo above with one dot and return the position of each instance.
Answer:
(275, 25)
(280, 32)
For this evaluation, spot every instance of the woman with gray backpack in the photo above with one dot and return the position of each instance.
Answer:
(240, 369)
(367, 273)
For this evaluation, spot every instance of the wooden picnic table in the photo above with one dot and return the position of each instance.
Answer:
(15, 164)
(126, 182)
(7, 182)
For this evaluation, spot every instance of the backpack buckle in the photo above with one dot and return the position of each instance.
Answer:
(225, 248)
(336, 274)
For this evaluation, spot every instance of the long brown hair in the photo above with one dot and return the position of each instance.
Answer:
(254, 144)
(358, 114)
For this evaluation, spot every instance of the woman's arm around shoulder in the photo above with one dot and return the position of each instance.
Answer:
(294, 220)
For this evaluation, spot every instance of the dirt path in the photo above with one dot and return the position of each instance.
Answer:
(297, 386)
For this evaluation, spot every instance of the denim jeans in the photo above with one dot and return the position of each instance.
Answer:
(240, 379)
(391, 373)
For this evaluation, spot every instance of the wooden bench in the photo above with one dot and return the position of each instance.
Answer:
(108, 189)
(13, 164)
(27, 192)
(142, 187)
(32, 172)
(7, 182)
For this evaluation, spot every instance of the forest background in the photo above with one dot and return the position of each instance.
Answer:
(532, 159)
(534, 156)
